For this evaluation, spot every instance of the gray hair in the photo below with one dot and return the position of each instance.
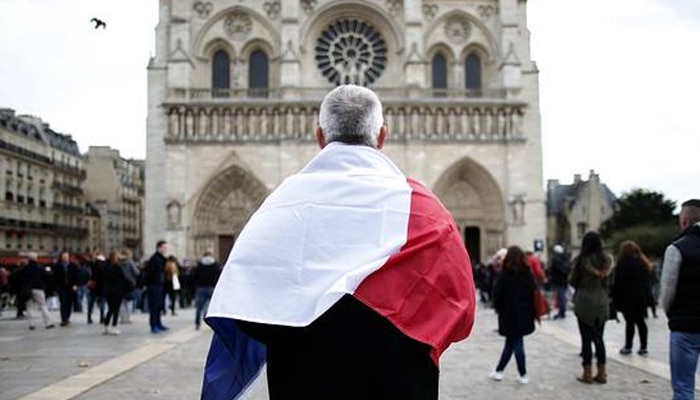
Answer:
(351, 114)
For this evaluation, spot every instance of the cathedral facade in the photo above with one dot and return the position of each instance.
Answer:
(235, 87)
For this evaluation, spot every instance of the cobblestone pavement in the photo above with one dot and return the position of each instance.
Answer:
(137, 365)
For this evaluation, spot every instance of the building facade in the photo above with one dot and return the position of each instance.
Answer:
(235, 86)
(114, 187)
(43, 204)
(574, 209)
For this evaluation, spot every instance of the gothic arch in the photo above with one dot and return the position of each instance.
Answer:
(490, 38)
(224, 205)
(476, 201)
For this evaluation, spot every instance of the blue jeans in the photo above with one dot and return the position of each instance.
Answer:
(561, 299)
(202, 302)
(79, 296)
(684, 352)
(514, 344)
(155, 304)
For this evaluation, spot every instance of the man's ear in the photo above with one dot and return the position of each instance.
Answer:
(381, 138)
(319, 138)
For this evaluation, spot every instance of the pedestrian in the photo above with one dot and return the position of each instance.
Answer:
(171, 284)
(94, 295)
(204, 277)
(514, 303)
(131, 274)
(590, 277)
(65, 279)
(34, 279)
(113, 284)
(15, 288)
(559, 269)
(680, 298)
(81, 281)
(350, 278)
(631, 293)
(153, 280)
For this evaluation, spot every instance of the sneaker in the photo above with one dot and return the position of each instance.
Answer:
(155, 330)
(49, 326)
(496, 376)
(523, 380)
(114, 332)
(643, 352)
(31, 327)
(625, 351)
(163, 328)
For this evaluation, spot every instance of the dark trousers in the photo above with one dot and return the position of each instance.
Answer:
(92, 297)
(632, 319)
(65, 297)
(114, 302)
(592, 334)
(514, 344)
(155, 304)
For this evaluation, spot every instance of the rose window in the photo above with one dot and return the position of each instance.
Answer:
(351, 52)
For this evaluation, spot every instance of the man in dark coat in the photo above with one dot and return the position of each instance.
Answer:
(65, 280)
(153, 280)
(204, 279)
(559, 269)
(34, 279)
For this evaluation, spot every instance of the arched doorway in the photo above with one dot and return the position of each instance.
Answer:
(224, 206)
(473, 197)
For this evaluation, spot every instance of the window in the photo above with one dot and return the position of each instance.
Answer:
(9, 196)
(20, 199)
(220, 73)
(439, 69)
(258, 74)
(472, 69)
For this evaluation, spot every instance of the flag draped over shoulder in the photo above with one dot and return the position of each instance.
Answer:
(349, 222)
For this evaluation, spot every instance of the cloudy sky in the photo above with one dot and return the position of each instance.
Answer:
(619, 82)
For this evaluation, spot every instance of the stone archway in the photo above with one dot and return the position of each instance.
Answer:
(223, 208)
(475, 200)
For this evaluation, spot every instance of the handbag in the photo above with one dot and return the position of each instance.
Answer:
(541, 305)
(176, 282)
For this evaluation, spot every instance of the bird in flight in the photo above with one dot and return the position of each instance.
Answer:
(99, 23)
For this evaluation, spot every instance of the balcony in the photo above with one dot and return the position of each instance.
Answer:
(66, 188)
(70, 169)
(68, 208)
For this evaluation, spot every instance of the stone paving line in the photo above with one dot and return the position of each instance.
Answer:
(171, 367)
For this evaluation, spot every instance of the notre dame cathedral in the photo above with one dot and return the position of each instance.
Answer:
(234, 90)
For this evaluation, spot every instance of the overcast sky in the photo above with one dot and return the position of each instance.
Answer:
(619, 82)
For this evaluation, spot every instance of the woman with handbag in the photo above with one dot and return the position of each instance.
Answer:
(591, 278)
(631, 292)
(513, 299)
(171, 283)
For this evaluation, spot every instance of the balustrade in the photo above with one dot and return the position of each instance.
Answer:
(427, 121)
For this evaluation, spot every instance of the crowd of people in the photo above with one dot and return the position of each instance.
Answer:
(113, 286)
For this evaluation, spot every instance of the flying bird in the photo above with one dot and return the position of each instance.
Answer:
(99, 23)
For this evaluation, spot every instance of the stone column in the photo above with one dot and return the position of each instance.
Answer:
(415, 66)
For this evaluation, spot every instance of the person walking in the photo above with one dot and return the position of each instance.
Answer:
(591, 278)
(65, 278)
(350, 279)
(82, 279)
(34, 279)
(680, 298)
(153, 280)
(171, 284)
(204, 278)
(514, 303)
(631, 293)
(131, 274)
(112, 283)
(94, 295)
(559, 270)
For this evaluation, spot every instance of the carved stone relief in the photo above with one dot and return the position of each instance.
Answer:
(517, 207)
(272, 8)
(457, 29)
(238, 25)
(174, 210)
(486, 11)
(203, 9)
(429, 10)
(308, 6)
(394, 6)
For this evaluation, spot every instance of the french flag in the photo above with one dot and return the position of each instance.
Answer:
(349, 222)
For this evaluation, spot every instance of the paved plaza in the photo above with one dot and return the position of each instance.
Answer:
(78, 362)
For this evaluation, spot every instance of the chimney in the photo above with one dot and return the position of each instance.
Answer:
(577, 178)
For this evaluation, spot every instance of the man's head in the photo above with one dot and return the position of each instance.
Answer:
(64, 257)
(353, 115)
(162, 247)
(690, 213)
(32, 256)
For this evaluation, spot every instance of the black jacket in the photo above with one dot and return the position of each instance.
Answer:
(155, 268)
(631, 289)
(349, 353)
(207, 273)
(34, 276)
(684, 313)
(514, 303)
(559, 269)
(64, 276)
(111, 280)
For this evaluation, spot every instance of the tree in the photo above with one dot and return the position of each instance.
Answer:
(645, 217)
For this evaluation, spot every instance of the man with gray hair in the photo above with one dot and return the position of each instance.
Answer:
(350, 280)
(680, 297)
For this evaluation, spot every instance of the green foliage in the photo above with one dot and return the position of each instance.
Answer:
(640, 207)
(645, 217)
(653, 239)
